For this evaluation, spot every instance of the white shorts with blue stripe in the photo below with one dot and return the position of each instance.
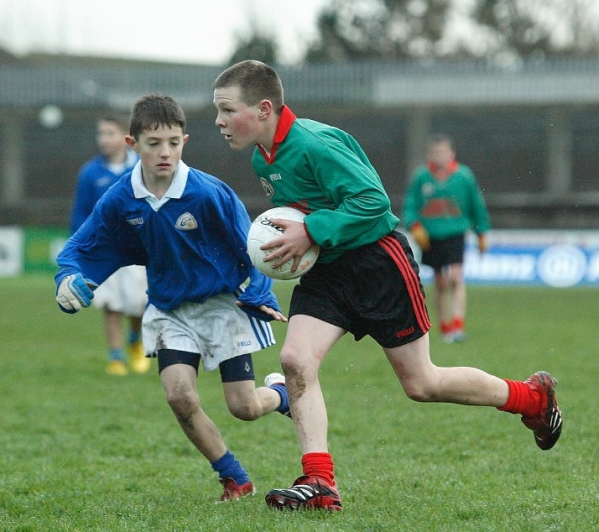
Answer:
(216, 329)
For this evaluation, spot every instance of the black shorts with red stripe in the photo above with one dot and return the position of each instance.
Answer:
(374, 290)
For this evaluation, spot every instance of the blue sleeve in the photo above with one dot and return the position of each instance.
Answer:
(259, 291)
(85, 198)
(93, 250)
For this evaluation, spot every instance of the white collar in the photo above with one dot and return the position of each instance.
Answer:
(175, 190)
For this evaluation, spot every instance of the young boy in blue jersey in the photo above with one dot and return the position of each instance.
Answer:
(122, 297)
(189, 229)
(365, 280)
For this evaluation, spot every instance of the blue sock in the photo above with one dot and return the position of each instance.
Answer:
(282, 390)
(227, 466)
(134, 337)
(116, 354)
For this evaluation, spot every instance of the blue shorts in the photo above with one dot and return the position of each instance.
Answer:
(374, 290)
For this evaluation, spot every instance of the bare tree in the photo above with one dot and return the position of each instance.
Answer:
(490, 29)
(539, 28)
(359, 29)
(256, 46)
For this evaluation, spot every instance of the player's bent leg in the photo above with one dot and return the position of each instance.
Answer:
(248, 403)
(244, 400)
(422, 381)
(413, 367)
(179, 382)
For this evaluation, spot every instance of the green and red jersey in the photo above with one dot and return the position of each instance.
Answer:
(322, 171)
(446, 206)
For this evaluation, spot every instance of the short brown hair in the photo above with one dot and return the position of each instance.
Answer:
(441, 138)
(120, 120)
(257, 82)
(154, 110)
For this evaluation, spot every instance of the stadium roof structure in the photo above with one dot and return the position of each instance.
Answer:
(94, 82)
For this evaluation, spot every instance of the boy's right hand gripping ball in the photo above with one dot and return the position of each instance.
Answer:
(263, 230)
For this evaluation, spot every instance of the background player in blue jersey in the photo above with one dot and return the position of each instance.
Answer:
(189, 229)
(365, 280)
(122, 297)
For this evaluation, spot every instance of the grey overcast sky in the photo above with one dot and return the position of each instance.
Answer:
(187, 31)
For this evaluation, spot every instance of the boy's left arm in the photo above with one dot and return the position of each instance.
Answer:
(83, 264)
(258, 299)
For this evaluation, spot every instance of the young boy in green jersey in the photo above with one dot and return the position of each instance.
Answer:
(443, 201)
(365, 282)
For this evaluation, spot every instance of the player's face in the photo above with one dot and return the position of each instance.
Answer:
(239, 124)
(111, 139)
(441, 154)
(160, 151)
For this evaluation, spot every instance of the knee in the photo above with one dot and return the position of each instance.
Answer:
(419, 391)
(441, 281)
(183, 402)
(244, 412)
(295, 363)
(289, 361)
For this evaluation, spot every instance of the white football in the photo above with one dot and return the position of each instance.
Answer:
(263, 230)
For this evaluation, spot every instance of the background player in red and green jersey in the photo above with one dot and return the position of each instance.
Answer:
(364, 282)
(442, 203)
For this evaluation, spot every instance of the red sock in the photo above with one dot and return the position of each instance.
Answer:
(522, 400)
(446, 327)
(320, 465)
(458, 324)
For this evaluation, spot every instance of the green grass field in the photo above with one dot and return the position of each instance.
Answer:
(82, 451)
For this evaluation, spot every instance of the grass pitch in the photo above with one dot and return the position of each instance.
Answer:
(82, 451)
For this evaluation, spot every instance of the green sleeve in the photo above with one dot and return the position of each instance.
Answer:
(362, 214)
(479, 214)
(412, 202)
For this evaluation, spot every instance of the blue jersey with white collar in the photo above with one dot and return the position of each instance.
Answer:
(192, 240)
(94, 179)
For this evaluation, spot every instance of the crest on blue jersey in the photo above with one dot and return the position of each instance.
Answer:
(186, 222)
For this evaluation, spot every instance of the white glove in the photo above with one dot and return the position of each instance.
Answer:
(74, 293)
